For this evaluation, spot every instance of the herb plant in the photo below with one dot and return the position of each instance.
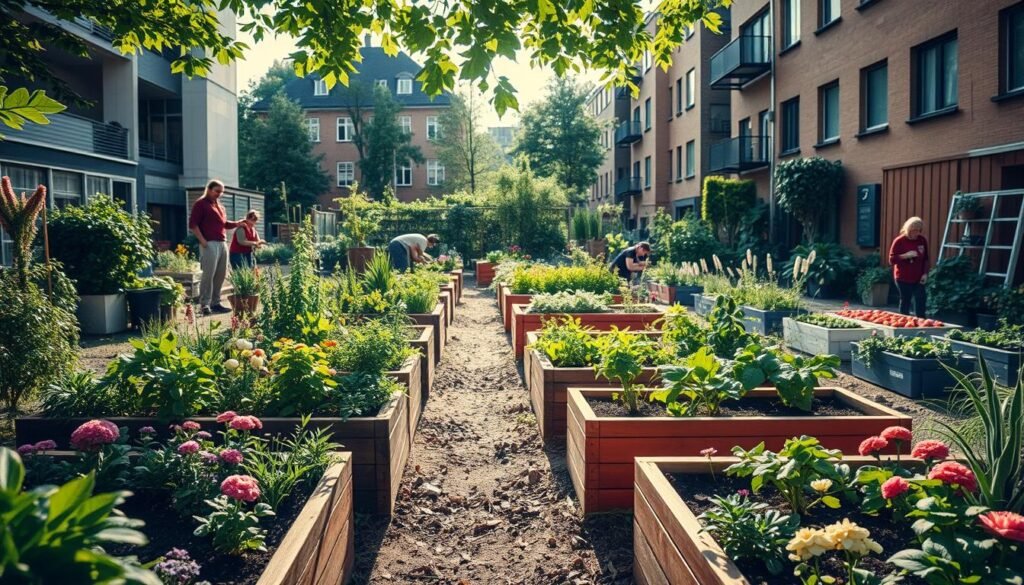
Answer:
(567, 343)
(912, 347)
(1007, 337)
(827, 321)
(622, 362)
(750, 530)
(245, 281)
(372, 346)
(592, 278)
(570, 302)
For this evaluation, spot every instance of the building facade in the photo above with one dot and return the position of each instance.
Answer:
(608, 106)
(145, 138)
(330, 117)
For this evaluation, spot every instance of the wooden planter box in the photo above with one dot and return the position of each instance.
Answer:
(911, 377)
(523, 322)
(499, 294)
(439, 322)
(379, 444)
(600, 450)
(319, 546)
(507, 301)
(484, 273)
(549, 385)
(765, 322)
(817, 340)
(1003, 365)
(702, 304)
(424, 342)
(678, 295)
(447, 296)
(188, 280)
(456, 276)
(410, 375)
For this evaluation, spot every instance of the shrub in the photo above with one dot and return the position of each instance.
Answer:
(419, 292)
(595, 278)
(872, 273)
(834, 266)
(807, 189)
(954, 285)
(724, 204)
(375, 346)
(570, 302)
(526, 211)
(275, 253)
(686, 240)
(176, 261)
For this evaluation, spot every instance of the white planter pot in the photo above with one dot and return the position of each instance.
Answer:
(103, 314)
(817, 340)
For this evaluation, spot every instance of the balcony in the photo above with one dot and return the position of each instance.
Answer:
(101, 31)
(628, 133)
(743, 59)
(71, 132)
(735, 155)
(156, 151)
(627, 186)
(720, 120)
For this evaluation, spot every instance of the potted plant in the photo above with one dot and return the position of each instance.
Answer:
(675, 284)
(154, 298)
(916, 367)
(359, 223)
(245, 284)
(873, 286)
(764, 300)
(1006, 305)
(181, 266)
(955, 290)
(967, 206)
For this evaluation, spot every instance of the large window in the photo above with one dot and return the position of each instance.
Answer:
(432, 132)
(66, 189)
(691, 159)
(636, 170)
(647, 172)
(1012, 37)
(435, 172)
(403, 175)
(790, 23)
(346, 130)
(691, 88)
(790, 126)
(647, 61)
(828, 113)
(313, 129)
(828, 12)
(346, 173)
(406, 123)
(935, 64)
(647, 114)
(319, 87)
(874, 97)
(636, 115)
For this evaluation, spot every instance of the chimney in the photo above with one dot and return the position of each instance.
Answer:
(367, 42)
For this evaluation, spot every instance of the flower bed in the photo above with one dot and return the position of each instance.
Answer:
(523, 322)
(423, 341)
(484, 273)
(601, 448)
(439, 321)
(892, 324)
(914, 377)
(815, 339)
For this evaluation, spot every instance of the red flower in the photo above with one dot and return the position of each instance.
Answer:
(1005, 524)
(956, 474)
(872, 446)
(226, 416)
(894, 487)
(930, 450)
(897, 434)
(188, 448)
(243, 488)
(94, 434)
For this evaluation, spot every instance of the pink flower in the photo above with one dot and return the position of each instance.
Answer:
(243, 488)
(955, 474)
(226, 416)
(1005, 524)
(897, 434)
(894, 487)
(708, 452)
(208, 458)
(203, 435)
(872, 446)
(190, 426)
(26, 449)
(147, 431)
(930, 450)
(94, 434)
(743, 493)
(188, 448)
(245, 423)
(231, 456)
(46, 445)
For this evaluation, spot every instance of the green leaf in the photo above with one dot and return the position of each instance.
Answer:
(12, 471)
(831, 502)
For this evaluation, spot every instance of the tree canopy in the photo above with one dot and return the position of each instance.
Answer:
(469, 153)
(388, 145)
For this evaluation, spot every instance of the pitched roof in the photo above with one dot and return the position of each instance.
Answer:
(376, 65)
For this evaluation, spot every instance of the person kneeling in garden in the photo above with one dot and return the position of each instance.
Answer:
(632, 260)
(407, 249)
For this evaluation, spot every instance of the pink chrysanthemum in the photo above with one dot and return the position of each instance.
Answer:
(94, 434)
(930, 450)
(872, 446)
(46, 445)
(245, 423)
(188, 448)
(244, 488)
(26, 449)
(710, 451)
(231, 456)
(956, 474)
(226, 416)
(190, 426)
(147, 431)
(897, 434)
(894, 487)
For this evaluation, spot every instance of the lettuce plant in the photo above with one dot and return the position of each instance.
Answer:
(704, 383)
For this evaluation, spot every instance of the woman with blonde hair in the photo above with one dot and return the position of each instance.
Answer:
(245, 241)
(908, 255)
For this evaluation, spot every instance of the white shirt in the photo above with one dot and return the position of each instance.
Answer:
(410, 240)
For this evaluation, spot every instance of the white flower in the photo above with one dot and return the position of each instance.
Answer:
(243, 344)
(821, 485)
(231, 364)
(256, 362)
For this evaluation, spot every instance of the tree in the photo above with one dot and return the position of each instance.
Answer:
(470, 155)
(387, 145)
(277, 149)
(529, 212)
(561, 139)
(807, 188)
(725, 203)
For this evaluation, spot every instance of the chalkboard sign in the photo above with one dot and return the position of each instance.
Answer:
(868, 199)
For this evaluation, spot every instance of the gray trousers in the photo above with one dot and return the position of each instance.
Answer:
(213, 260)
(401, 259)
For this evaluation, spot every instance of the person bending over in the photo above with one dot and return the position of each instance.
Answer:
(409, 249)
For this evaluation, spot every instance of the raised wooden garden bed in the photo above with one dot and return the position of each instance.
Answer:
(447, 296)
(600, 450)
(410, 375)
(765, 322)
(319, 546)
(439, 322)
(818, 340)
(523, 322)
(911, 377)
(508, 301)
(424, 342)
(1003, 365)
(679, 295)
(188, 280)
(548, 387)
(499, 294)
(456, 276)
(702, 303)
(484, 273)
(379, 444)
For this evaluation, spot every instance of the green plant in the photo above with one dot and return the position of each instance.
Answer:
(232, 528)
(1008, 303)
(79, 394)
(359, 222)
(570, 302)
(807, 189)
(120, 244)
(680, 334)
(245, 282)
(724, 203)
(702, 380)
(750, 530)
(912, 347)
(378, 274)
(765, 292)
(56, 534)
(834, 266)
(954, 285)
(794, 377)
(686, 274)
(871, 276)
(419, 292)
(1006, 337)
(280, 464)
(726, 333)
(274, 253)
(567, 343)
(689, 239)
(826, 320)
(303, 380)
(622, 362)
(172, 261)
(18, 218)
(594, 278)
(791, 470)
(615, 244)
(966, 205)
(374, 346)
(287, 299)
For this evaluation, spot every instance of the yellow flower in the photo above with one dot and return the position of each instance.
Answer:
(848, 536)
(246, 354)
(821, 485)
(808, 543)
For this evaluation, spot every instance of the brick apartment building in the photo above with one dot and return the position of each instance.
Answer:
(329, 121)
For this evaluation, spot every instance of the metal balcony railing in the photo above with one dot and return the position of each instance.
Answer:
(159, 151)
(628, 132)
(735, 155)
(743, 59)
(102, 32)
(77, 133)
(627, 186)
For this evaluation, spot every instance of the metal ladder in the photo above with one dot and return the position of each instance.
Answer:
(987, 246)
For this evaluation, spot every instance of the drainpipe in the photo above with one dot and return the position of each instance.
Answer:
(772, 123)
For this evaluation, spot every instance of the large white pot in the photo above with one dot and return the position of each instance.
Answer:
(103, 314)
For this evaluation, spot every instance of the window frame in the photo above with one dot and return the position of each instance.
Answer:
(691, 159)
(790, 110)
(383, 83)
(311, 124)
(647, 172)
(351, 173)
(405, 123)
(320, 87)
(679, 96)
(349, 129)
(939, 43)
(403, 86)
(825, 7)
(824, 110)
(1007, 68)
(435, 168)
(790, 35)
(647, 114)
(679, 163)
(400, 171)
(432, 122)
(691, 88)
(866, 126)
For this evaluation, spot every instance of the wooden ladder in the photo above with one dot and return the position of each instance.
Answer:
(986, 246)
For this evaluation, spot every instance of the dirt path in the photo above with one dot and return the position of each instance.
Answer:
(482, 501)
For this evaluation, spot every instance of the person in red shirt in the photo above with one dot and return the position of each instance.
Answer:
(908, 255)
(244, 242)
(208, 221)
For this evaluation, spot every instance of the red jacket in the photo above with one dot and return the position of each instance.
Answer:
(909, 270)
(210, 217)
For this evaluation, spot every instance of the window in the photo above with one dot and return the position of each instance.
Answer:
(691, 88)
(435, 172)
(764, 132)
(636, 115)
(313, 129)
(935, 76)
(95, 186)
(647, 62)
(647, 114)
(828, 113)
(382, 83)
(404, 86)
(790, 126)
(636, 170)
(679, 163)
(691, 159)
(67, 189)
(874, 96)
(346, 173)
(403, 175)
(1012, 41)
(670, 103)
(758, 28)
(828, 12)
(647, 172)
(668, 159)
(432, 133)
(679, 96)
(790, 23)
(345, 129)
(319, 87)
(406, 123)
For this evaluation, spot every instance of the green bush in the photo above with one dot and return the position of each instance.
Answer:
(834, 266)
(525, 211)
(419, 291)
(954, 285)
(101, 245)
(686, 240)
(375, 346)
(570, 302)
(725, 203)
(808, 189)
(595, 278)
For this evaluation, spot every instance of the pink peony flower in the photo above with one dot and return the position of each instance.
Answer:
(190, 426)
(243, 488)
(897, 434)
(26, 449)
(226, 416)
(1005, 524)
(872, 446)
(147, 431)
(188, 448)
(231, 456)
(94, 434)
(894, 487)
(955, 474)
(930, 450)
(46, 445)
(245, 423)
(708, 452)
